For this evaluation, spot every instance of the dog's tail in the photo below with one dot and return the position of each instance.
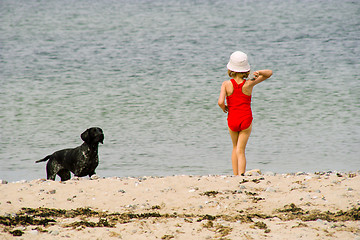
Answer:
(44, 159)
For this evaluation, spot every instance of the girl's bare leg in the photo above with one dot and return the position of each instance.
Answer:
(234, 159)
(240, 151)
(239, 140)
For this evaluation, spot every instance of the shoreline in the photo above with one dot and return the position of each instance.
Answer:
(322, 205)
(253, 172)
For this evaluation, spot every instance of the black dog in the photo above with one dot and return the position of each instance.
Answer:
(81, 161)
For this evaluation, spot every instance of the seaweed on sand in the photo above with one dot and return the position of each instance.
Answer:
(290, 212)
(46, 216)
(24, 220)
(210, 193)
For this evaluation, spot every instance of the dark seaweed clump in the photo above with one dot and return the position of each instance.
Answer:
(17, 233)
(210, 193)
(24, 221)
(255, 180)
(290, 212)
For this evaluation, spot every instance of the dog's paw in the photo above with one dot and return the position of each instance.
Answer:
(94, 177)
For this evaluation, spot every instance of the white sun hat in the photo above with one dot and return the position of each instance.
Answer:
(238, 62)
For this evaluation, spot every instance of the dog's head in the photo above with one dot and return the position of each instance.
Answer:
(93, 135)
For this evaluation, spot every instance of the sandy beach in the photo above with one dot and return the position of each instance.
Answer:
(324, 205)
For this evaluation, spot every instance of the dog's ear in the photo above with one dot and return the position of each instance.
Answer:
(85, 136)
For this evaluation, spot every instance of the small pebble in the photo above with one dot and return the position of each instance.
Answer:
(270, 189)
(254, 172)
(54, 232)
(94, 177)
(21, 181)
(33, 232)
(269, 174)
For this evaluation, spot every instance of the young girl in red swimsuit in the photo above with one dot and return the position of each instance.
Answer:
(237, 92)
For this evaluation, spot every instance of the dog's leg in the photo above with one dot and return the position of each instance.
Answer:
(52, 168)
(92, 173)
(51, 174)
(64, 174)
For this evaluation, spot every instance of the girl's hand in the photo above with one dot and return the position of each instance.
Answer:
(254, 75)
(259, 76)
(226, 109)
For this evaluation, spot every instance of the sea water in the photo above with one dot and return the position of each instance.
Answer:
(149, 74)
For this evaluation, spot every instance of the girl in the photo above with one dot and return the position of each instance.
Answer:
(237, 92)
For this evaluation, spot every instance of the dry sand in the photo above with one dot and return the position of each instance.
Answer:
(260, 206)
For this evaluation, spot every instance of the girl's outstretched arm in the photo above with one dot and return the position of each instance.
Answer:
(221, 101)
(260, 76)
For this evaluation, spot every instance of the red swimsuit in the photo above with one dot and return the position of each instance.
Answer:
(239, 105)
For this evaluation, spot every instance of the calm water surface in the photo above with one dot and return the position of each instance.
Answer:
(149, 74)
